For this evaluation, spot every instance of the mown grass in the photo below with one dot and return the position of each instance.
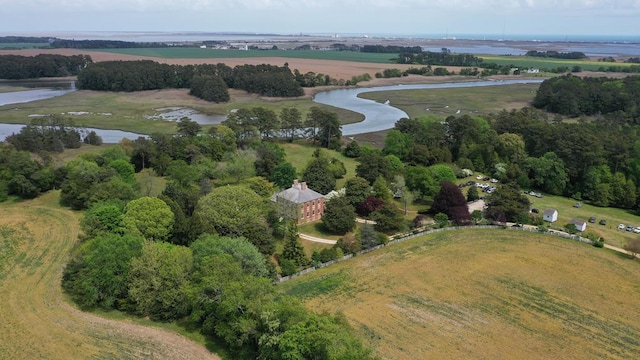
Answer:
(613, 216)
(544, 63)
(488, 294)
(129, 111)
(445, 102)
(197, 53)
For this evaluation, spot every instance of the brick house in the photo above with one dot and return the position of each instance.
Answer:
(300, 202)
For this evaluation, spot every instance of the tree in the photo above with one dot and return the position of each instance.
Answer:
(293, 250)
(159, 281)
(381, 190)
(352, 150)
(441, 220)
(188, 127)
(283, 175)
(372, 165)
(339, 216)
(369, 205)
(472, 194)
(318, 175)
(633, 247)
(240, 166)
(291, 120)
(267, 122)
(103, 218)
(98, 273)
(507, 203)
(235, 211)
(149, 217)
(268, 156)
(547, 173)
(357, 190)
(240, 249)
(388, 219)
(448, 198)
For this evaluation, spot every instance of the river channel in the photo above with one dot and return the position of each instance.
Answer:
(377, 116)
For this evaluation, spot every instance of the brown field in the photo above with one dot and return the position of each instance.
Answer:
(335, 69)
(485, 294)
(37, 323)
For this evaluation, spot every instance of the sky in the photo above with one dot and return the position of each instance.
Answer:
(408, 17)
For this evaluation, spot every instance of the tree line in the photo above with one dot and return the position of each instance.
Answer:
(553, 54)
(438, 58)
(102, 44)
(16, 67)
(390, 49)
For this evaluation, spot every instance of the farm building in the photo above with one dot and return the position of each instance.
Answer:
(581, 225)
(299, 202)
(550, 215)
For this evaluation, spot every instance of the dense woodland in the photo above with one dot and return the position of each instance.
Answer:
(390, 49)
(443, 58)
(576, 96)
(211, 81)
(15, 67)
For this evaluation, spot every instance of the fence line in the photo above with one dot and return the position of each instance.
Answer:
(404, 237)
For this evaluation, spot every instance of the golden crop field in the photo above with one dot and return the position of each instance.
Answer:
(36, 322)
(485, 294)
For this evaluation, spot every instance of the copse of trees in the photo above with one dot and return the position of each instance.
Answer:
(102, 44)
(52, 133)
(17, 67)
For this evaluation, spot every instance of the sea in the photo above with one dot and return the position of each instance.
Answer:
(490, 44)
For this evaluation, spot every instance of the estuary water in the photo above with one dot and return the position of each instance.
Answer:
(379, 116)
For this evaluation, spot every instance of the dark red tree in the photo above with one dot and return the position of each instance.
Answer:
(449, 200)
(370, 205)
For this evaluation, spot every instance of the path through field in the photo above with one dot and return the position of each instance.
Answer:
(35, 320)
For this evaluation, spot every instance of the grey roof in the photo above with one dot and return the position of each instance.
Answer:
(549, 211)
(577, 222)
(298, 195)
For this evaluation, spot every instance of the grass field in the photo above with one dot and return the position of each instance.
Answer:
(197, 53)
(129, 110)
(36, 238)
(445, 102)
(544, 63)
(484, 294)
(299, 154)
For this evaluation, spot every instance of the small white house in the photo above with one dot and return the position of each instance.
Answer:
(550, 215)
(581, 225)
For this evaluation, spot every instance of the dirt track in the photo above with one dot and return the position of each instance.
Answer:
(35, 320)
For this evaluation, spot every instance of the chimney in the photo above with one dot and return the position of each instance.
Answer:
(304, 185)
(295, 183)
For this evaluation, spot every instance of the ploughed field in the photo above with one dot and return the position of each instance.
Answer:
(485, 294)
(36, 238)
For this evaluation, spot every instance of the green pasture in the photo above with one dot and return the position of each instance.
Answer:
(546, 63)
(129, 110)
(445, 102)
(197, 53)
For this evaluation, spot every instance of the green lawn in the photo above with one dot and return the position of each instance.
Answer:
(197, 53)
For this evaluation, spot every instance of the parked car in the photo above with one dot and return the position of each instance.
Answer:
(637, 230)
(629, 228)
(535, 211)
(592, 219)
(621, 227)
(603, 222)
(577, 205)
